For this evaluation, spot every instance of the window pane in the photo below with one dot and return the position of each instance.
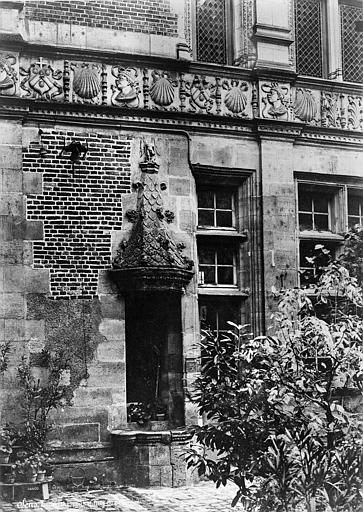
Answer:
(224, 200)
(211, 31)
(206, 254)
(353, 205)
(225, 255)
(321, 204)
(305, 221)
(225, 275)
(224, 219)
(205, 199)
(308, 37)
(206, 217)
(305, 202)
(209, 274)
(321, 222)
(352, 43)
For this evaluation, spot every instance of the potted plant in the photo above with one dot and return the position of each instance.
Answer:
(42, 460)
(6, 442)
(9, 477)
(27, 469)
(139, 412)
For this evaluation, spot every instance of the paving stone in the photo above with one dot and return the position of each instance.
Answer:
(203, 497)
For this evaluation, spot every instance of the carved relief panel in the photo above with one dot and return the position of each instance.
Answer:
(8, 74)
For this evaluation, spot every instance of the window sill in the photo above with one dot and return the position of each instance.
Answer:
(219, 290)
(320, 235)
(227, 232)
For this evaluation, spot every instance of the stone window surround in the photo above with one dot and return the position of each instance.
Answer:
(339, 194)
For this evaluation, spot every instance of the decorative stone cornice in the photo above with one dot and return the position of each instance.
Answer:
(169, 93)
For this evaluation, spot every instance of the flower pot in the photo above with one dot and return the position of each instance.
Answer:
(41, 475)
(9, 478)
(21, 477)
(4, 458)
(32, 477)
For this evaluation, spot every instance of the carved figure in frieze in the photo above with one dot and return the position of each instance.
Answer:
(235, 99)
(276, 100)
(149, 152)
(8, 76)
(126, 91)
(305, 106)
(162, 89)
(201, 93)
(41, 81)
(86, 81)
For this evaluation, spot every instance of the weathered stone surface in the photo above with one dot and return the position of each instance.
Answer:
(112, 307)
(12, 181)
(179, 186)
(36, 280)
(82, 432)
(32, 183)
(14, 329)
(35, 330)
(112, 329)
(111, 351)
(12, 305)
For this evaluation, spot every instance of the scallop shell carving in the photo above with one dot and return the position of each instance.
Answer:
(305, 105)
(162, 91)
(235, 100)
(86, 83)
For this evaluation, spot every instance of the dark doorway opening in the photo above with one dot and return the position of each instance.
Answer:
(154, 367)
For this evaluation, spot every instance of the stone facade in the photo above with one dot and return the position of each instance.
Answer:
(115, 135)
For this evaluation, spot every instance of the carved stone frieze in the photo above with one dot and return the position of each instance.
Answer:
(235, 98)
(330, 112)
(355, 113)
(8, 75)
(41, 81)
(305, 105)
(86, 84)
(275, 100)
(126, 91)
(201, 93)
(162, 89)
(172, 90)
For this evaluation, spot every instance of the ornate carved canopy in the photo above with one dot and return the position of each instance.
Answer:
(150, 259)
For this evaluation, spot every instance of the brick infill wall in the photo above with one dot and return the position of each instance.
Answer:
(78, 212)
(148, 16)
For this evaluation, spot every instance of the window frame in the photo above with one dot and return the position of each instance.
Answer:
(229, 31)
(354, 192)
(217, 266)
(234, 201)
(336, 211)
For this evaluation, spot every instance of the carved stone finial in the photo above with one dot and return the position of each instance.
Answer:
(148, 154)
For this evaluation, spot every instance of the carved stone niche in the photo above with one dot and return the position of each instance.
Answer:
(150, 260)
